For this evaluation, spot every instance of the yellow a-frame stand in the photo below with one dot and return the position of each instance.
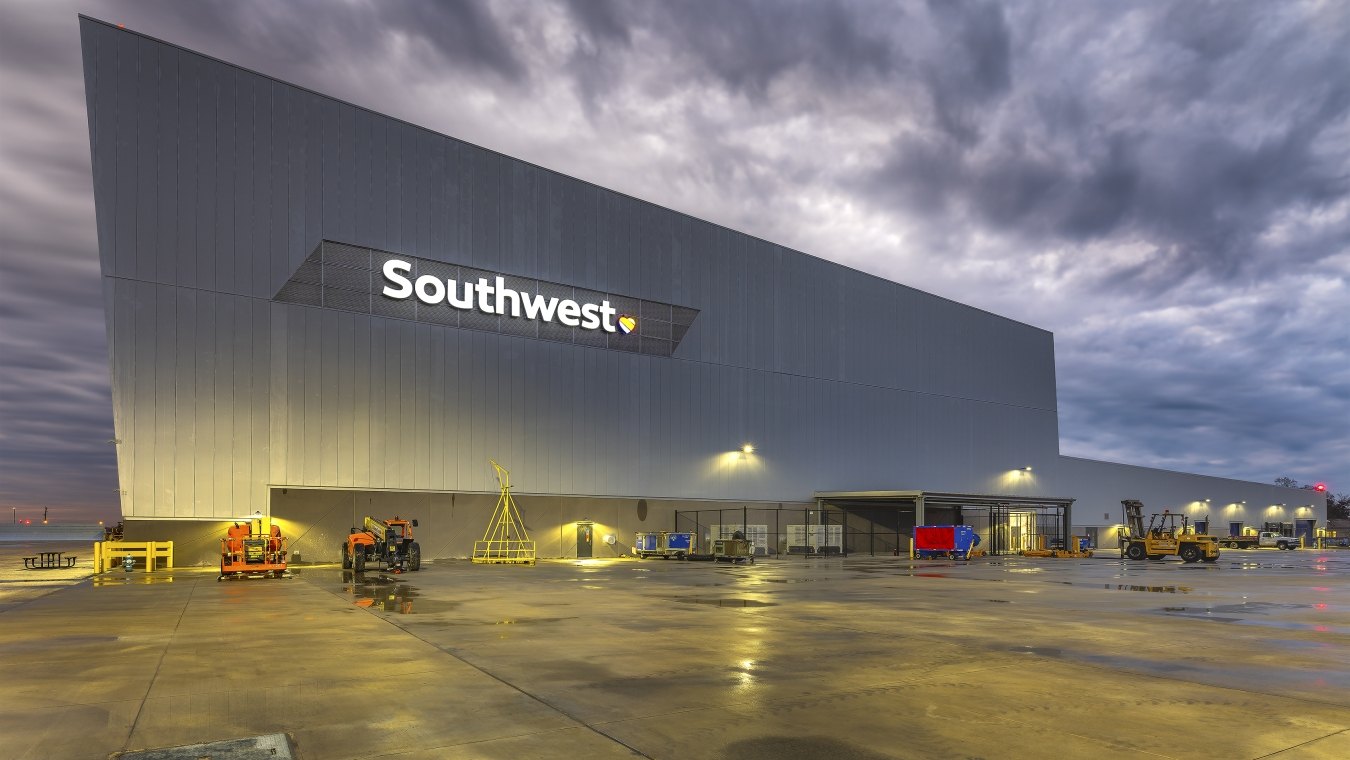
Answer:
(505, 541)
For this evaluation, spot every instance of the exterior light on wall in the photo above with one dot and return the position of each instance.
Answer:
(748, 448)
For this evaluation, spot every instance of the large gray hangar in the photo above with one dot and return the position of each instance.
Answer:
(319, 312)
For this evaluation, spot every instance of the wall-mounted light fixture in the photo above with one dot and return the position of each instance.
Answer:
(748, 448)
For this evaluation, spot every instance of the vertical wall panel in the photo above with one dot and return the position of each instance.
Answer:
(257, 361)
(100, 73)
(184, 404)
(163, 339)
(326, 391)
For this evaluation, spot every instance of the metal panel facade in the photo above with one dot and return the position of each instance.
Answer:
(213, 184)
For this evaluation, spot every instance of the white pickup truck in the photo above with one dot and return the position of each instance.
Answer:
(1266, 539)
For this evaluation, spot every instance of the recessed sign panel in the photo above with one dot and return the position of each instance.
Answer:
(369, 281)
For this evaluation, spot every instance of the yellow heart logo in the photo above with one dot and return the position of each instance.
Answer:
(627, 324)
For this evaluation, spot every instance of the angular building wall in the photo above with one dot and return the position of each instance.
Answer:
(213, 185)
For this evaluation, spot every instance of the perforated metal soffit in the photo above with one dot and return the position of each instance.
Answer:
(348, 278)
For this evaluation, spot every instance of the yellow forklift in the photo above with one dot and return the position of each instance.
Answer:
(1166, 535)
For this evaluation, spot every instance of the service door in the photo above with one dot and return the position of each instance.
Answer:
(1305, 529)
(584, 533)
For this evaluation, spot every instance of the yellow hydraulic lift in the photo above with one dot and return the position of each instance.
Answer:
(506, 542)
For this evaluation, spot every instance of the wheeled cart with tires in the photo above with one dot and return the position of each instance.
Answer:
(733, 550)
(382, 542)
(663, 544)
(946, 541)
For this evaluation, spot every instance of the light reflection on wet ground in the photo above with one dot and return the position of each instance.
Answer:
(1300, 596)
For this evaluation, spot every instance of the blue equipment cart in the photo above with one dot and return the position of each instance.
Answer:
(664, 544)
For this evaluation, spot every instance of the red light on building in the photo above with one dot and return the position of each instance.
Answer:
(1320, 487)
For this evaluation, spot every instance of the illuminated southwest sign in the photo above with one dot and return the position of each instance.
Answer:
(379, 283)
(496, 298)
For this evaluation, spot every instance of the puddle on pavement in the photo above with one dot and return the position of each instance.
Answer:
(130, 579)
(1243, 614)
(1153, 589)
(382, 592)
(513, 621)
(1042, 651)
(714, 602)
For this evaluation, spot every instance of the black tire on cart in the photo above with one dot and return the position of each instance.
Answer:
(1135, 551)
(346, 558)
(358, 560)
(1232, 544)
(414, 557)
(1189, 554)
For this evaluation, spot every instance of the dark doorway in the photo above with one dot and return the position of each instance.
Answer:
(1202, 526)
(1234, 528)
(584, 533)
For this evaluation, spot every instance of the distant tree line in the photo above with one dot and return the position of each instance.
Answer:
(1338, 504)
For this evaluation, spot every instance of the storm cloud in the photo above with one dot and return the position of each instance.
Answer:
(1165, 185)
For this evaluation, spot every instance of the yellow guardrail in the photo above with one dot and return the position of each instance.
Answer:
(109, 554)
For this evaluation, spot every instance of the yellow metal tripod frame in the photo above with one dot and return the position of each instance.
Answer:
(506, 542)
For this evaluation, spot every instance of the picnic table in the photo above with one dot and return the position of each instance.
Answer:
(48, 561)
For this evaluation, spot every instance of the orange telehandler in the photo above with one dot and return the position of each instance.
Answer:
(387, 542)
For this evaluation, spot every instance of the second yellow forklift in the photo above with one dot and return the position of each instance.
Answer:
(1166, 535)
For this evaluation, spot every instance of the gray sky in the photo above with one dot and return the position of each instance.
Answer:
(1165, 186)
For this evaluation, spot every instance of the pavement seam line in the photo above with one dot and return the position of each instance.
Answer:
(501, 680)
(1302, 744)
(150, 686)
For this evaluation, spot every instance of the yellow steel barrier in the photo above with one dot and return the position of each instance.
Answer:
(108, 554)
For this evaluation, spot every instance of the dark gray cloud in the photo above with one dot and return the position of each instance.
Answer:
(1166, 185)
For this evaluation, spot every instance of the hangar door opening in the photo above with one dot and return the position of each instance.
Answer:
(882, 522)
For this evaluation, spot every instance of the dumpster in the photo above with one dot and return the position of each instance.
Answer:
(946, 541)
